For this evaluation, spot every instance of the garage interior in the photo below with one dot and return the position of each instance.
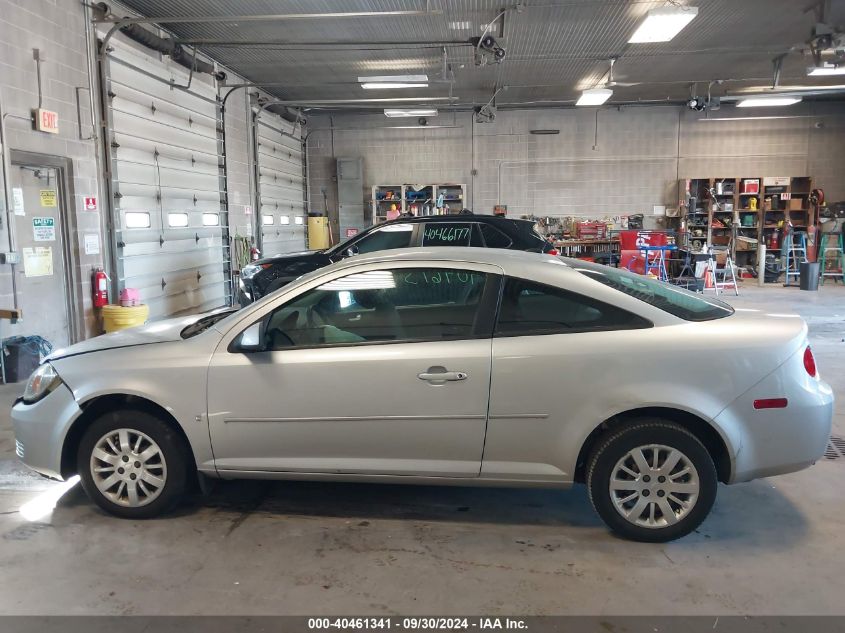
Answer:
(152, 149)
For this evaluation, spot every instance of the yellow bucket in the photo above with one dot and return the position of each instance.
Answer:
(119, 318)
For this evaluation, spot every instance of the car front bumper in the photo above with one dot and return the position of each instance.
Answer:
(41, 428)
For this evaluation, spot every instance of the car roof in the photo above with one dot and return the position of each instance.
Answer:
(507, 259)
(469, 217)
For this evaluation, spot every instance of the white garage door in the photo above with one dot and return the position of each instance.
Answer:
(171, 229)
(281, 184)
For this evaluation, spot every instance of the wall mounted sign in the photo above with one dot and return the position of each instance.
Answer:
(46, 121)
(44, 229)
(351, 232)
(92, 244)
(90, 203)
(17, 201)
(38, 261)
(48, 197)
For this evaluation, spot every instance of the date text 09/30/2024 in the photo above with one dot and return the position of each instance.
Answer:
(416, 624)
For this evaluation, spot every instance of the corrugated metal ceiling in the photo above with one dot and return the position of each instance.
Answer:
(554, 48)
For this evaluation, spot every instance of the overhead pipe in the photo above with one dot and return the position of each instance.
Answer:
(170, 47)
(275, 17)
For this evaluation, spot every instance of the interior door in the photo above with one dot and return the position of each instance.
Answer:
(41, 281)
(375, 372)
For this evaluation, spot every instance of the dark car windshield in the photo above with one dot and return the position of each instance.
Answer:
(676, 301)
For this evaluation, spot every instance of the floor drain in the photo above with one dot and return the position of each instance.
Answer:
(835, 448)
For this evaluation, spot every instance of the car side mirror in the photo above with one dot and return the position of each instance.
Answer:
(351, 251)
(251, 339)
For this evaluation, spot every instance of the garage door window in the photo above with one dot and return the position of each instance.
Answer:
(529, 309)
(177, 220)
(136, 220)
(211, 219)
(267, 220)
(383, 306)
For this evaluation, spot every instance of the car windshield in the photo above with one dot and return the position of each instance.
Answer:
(676, 301)
(204, 323)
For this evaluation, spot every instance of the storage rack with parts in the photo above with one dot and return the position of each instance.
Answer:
(738, 213)
(440, 199)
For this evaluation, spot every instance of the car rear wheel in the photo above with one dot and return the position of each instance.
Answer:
(652, 481)
(132, 464)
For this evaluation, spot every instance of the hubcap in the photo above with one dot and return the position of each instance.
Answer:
(654, 486)
(128, 468)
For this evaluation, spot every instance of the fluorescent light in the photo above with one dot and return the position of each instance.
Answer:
(753, 102)
(661, 25)
(825, 70)
(397, 112)
(460, 26)
(594, 97)
(381, 85)
(394, 78)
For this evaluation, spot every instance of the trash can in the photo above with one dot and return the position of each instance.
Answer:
(21, 356)
(809, 273)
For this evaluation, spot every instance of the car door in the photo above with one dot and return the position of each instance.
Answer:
(384, 370)
(551, 349)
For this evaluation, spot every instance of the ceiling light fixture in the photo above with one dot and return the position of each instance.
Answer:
(753, 102)
(825, 70)
(594, 97)
(405, 112)
(378, 85)
(663, 24)
(394, 79)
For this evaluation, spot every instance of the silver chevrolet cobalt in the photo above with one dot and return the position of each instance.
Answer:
(461, 366)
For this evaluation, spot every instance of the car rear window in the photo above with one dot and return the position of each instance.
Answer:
(676, 301)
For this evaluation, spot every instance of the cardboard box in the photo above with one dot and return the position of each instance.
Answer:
(751, 185)
(796, 204)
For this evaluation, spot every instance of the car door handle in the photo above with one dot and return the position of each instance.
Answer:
(442, 376)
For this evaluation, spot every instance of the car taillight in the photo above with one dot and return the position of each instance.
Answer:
(810, 362)
(552, 251)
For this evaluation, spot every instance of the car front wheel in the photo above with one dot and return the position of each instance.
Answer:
(132, 464)
(652, 481)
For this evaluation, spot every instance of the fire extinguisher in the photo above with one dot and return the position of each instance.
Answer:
(775, 241)
(100, 288)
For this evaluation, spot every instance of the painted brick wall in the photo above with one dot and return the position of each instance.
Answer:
(57, 28)
(626, 164)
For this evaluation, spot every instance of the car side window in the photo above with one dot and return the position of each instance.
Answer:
(406, 304)
(450, 234)
(494, 238)
(529, 308)
(386, 238)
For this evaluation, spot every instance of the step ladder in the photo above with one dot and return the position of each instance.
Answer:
(794, 254)
(832, 258)
(721, 264)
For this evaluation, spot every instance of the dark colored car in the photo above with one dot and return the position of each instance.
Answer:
(486, 231)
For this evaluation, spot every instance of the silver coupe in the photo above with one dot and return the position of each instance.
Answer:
(460, 366)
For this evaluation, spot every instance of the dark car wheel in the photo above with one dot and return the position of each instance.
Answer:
(652, 481)
(132, 464)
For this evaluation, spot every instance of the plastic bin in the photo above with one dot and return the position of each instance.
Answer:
(120, 318)
(809, 275)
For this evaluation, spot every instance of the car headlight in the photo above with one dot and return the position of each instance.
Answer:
(42, 381)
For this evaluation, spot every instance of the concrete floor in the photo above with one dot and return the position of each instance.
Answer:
(772, 546)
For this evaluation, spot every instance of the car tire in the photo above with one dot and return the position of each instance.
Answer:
(645, 503)
(128, 450)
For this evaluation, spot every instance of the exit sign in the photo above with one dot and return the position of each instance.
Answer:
(46, 121)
